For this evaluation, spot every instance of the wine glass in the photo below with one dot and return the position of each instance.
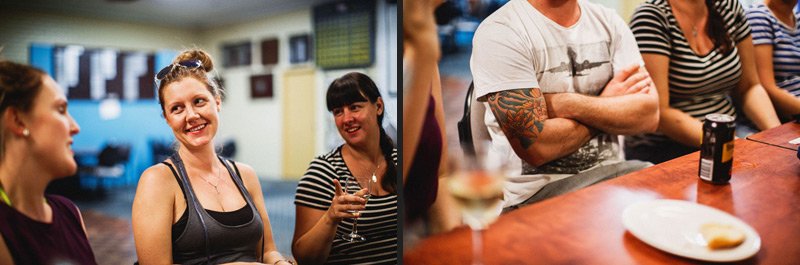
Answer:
(354, 236)
(477, 186)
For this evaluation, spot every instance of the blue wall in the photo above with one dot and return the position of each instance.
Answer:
(42, 57)
(139, 122)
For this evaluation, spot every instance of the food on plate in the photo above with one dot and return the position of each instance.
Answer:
(721, 236)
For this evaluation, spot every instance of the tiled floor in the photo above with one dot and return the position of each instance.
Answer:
(108, 221)
(111, 238)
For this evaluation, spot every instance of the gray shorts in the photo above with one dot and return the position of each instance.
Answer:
(581, 180)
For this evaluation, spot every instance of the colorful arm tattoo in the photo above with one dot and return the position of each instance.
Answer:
(520, 113)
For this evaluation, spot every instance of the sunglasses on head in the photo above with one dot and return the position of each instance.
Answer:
(192, 64)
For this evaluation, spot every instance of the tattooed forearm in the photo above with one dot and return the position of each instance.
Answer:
(520, 113)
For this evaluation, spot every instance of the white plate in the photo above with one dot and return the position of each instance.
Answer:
(674, 226)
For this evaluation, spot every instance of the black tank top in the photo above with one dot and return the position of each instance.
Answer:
(209, 240)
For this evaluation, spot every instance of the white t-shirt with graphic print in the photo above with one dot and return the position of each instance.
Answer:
(518, 47)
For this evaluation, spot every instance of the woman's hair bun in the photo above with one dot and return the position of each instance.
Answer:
(199, 55)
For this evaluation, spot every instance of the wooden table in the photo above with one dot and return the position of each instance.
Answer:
(585, 227)
(779, 136)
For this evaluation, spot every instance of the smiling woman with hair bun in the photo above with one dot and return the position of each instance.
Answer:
(197, 207)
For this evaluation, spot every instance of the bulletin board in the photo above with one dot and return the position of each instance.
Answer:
(344, 34)
(97, 73)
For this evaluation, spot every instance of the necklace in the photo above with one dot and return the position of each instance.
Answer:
(684, 15)
(370, 179)
(219, 179)
(4, 196)
(366, 170)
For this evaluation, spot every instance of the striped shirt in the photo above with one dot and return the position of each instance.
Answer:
(785, 45)
(698, 84)
(378, 223)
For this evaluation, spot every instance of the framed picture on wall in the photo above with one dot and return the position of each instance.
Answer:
(261, 86)
(269, 52)
(300, 48)
(236, 54)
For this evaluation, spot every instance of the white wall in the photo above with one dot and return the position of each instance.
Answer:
(624, 8)
(255, 124)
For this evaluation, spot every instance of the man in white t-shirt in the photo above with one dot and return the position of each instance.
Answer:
(561, 79)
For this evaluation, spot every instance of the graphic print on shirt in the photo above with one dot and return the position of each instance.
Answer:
(584, 69)
(598, 149)
(575, 68)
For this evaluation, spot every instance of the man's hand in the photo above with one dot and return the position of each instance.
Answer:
(627, 105)
(631, 80)
(522, 115)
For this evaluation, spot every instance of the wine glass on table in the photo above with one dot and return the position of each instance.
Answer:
(371, 187)
(477, 186)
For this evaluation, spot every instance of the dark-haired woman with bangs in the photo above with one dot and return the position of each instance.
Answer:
(335, 183)
(700, 56)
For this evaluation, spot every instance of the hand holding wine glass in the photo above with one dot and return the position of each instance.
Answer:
(345, 205)
(364, 194)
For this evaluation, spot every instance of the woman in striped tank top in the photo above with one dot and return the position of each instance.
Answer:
(700, 56)
(776, 36)
(335, 182)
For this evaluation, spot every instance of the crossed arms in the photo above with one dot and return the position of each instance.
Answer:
(544, 127)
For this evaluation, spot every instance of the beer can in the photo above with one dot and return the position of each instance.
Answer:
(716, 151)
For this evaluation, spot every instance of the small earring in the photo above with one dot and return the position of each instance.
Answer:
(26, 132)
